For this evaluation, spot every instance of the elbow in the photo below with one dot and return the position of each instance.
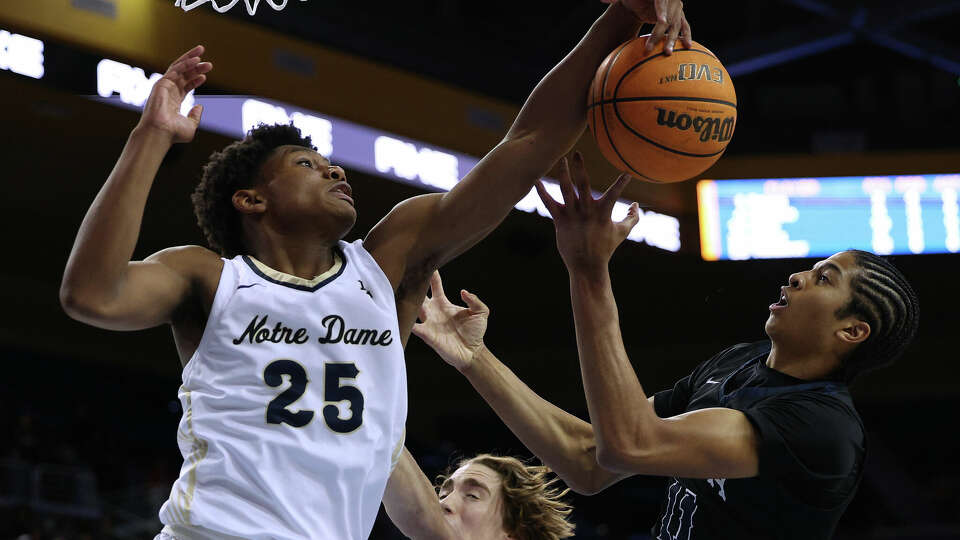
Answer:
(611, 458)
(631, 448)
(596, 479)
(79, 306)
(585, 483)
(70, 300)
(591, 487)
(589, 476)
(625, 456)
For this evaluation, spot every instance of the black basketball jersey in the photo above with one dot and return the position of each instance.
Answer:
(811, 449)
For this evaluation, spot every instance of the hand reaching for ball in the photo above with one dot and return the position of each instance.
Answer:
(586, 234)
(668, 19)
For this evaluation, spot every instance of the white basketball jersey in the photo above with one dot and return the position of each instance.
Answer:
(294, 405)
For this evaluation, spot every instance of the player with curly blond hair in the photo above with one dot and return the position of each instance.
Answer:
(482, 497)
(533, 507)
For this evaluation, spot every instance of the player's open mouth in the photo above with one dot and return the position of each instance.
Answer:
(781, 303)
(343, 191)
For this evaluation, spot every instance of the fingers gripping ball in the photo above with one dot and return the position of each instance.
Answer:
(658, 117)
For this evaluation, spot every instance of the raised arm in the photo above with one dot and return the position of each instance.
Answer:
(101, 285)
(710, 443)
(412, 503)
(562, 441)
(425, 232)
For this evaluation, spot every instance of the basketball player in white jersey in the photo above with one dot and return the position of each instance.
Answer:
(290, 338)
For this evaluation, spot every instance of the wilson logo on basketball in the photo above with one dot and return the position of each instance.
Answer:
(694, 72)
(709, 128)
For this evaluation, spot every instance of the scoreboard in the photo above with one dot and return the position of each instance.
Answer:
(817, 217)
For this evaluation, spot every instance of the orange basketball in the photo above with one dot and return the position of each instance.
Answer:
(662, 118)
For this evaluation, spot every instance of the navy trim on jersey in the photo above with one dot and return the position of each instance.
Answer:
(257, 271)
(745, 397)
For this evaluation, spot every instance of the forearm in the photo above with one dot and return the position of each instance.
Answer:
(412, 503)
(558, 105)
(623, 418)
(562, 441)
(549, 124)
(109, 231)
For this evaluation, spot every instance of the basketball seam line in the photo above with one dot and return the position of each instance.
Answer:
(603, 88)
(616, 110)
(662, 98)
(658, 145)
(649, 58)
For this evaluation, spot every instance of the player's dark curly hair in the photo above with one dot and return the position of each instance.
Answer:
(238, 166)
(883, 298)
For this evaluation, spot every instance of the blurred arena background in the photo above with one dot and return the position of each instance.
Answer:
(854, 89)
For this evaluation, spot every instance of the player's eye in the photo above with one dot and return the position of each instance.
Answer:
(823, 277)
(307, 161)
(473, 496)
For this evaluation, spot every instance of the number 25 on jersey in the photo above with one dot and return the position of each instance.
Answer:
(333, 392)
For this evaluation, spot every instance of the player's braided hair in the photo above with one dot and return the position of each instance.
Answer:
(883, 297)
(533, 506)
(238, 166)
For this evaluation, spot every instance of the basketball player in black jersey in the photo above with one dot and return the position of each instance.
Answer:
(761, 441)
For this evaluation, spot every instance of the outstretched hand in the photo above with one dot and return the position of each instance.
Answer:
(162, 110)
(586, 235)
(668, 19)
(455, 332)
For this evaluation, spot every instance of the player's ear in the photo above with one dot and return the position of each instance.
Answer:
(248, 201)
(854, 331)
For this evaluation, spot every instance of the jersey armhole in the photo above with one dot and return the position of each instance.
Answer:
(398, 450)
(225, 288)
(365, 259)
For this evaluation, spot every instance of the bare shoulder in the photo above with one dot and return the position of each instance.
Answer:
(196, 264)
(152, 291)
(187, 259)
(394, 237)
(399, 220)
